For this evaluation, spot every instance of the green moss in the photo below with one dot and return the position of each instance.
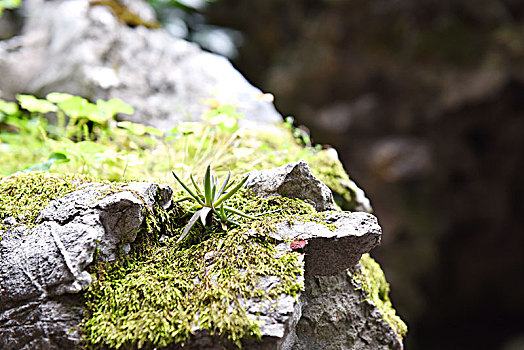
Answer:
(24, 195)
(163, 293)
(278, 146)
(373, 282)
(331, 172)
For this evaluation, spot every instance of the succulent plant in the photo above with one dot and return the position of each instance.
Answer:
(211, 200)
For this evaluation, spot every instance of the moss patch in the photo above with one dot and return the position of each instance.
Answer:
(374, 283)
(24, 195)
(331, 172)
(163, 292)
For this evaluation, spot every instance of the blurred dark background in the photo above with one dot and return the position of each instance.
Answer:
(424, 100)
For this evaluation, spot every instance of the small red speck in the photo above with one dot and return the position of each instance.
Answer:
(298, 244)
(3, 292)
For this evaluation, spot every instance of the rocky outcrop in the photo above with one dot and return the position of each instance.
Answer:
(82, 48)
(45, 266)
(335, 313)
(293, 180)
(334, 244)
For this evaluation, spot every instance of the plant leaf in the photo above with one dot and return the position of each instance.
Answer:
(223, 215)
(231, 192)
(223, 187)
(203, 214)
(238, 212)
(33, 104)
(207, 186)
(195, 185)
(58, 97)
(190, 224)
(8, 108)
(188, 190)
(45, 166)
(213, 191)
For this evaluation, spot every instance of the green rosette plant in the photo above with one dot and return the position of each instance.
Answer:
(211, 200)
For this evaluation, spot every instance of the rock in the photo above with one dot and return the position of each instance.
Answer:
(329, 291)
(45, 266)
(333, 249)
(73, 47)
(293, 180)
(337, 314)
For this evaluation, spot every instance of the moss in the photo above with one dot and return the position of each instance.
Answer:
(24, 195)
(123, 14)
(373, 282)
(279, 147)
(163, 292)
(331, 172)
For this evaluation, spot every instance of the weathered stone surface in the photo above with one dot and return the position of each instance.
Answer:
(74, 47)
(293, 180)
(43, 267)
(333, 249)
(336, 314)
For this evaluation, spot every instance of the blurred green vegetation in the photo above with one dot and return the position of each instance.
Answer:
(85, 138)
(9, 5)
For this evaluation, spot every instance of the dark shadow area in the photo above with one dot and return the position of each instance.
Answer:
(425, 103)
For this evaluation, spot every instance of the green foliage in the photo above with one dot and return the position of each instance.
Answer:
(35, 144)
(211, 200)
(90, 142)
(24, 195)
(162, 291)
(9, 5)
(373, 282)
(164, 294)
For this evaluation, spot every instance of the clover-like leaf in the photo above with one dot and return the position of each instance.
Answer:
(35, 105)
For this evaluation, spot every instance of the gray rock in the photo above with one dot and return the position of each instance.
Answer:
(336, 314)
(333, 249)
(329, 253)
(293, 180)
(44, 267)
(73, 47)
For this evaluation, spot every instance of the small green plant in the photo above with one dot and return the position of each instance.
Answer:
(211, 200)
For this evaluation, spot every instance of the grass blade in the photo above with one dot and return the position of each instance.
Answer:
(223, 187)
(187, 189)
(207, 186)
(190, 224)
(231, 192)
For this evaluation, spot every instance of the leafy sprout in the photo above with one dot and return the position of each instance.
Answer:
(211, 199)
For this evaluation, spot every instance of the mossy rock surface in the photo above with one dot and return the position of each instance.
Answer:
(163, 292)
